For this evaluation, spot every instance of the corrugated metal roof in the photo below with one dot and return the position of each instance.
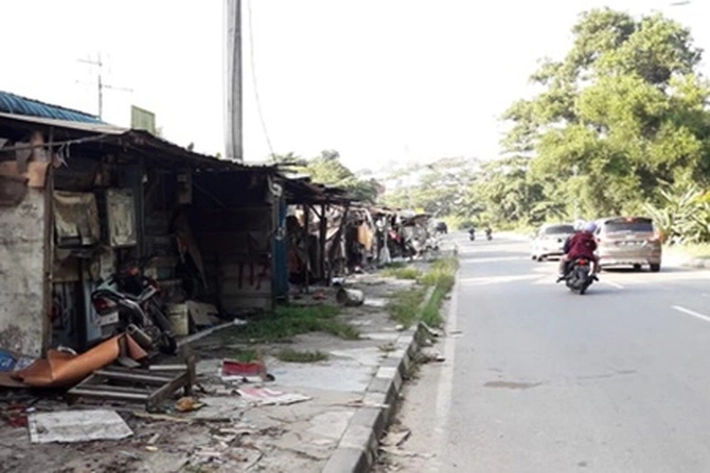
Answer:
(15, 104)
(95, 127)
(159, 148)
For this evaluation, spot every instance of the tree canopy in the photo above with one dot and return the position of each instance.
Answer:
(327, 168)
(622, 112)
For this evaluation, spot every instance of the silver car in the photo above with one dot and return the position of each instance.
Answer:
(550, 240)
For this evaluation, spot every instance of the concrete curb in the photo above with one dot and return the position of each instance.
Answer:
(357, 450)
(692, 263)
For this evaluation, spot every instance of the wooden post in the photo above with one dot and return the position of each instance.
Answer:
(306, 239)
(48, 261)
(323, 236)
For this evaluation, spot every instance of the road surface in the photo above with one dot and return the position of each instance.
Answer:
(538, 379)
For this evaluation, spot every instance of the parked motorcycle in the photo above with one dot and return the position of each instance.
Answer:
(580, 277)
(134, 300)
(399, 246)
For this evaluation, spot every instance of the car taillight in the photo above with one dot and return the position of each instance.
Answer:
(583, 262)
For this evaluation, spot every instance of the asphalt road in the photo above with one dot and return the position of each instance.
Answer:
(538, 379)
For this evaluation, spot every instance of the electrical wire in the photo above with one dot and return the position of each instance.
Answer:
(253, 79)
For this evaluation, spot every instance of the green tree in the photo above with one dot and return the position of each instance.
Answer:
(623, 110)
(327, 168)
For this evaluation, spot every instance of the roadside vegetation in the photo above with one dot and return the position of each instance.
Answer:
(409, 306)
(290, 320)
(402, 272)
(620, 126)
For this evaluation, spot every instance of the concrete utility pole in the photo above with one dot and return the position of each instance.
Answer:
(233, 80)
(101, 86)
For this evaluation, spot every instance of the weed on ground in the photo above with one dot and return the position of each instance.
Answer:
(301, 356)
(408, 306)
(405, 305)
(402, 272)
(287, 321)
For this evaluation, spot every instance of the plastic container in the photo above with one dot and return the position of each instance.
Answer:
(177, 313)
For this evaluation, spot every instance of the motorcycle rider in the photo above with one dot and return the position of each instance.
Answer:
(581, 245)
(489, 232)
(472, 233)
(578, 226)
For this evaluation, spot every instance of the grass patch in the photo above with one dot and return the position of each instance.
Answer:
(245, 355)
(442, 274)
(405, 305)
(287, 321)
(402, 272)
(431, 314)
(297, 356)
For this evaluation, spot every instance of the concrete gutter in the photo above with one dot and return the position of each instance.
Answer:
(357, 450)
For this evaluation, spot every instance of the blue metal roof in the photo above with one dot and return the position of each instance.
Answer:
(11, 103)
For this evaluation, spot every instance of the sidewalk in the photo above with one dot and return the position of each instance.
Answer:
(325, 415)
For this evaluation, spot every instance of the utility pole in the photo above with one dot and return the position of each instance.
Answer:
(233, 86)
(101, 86)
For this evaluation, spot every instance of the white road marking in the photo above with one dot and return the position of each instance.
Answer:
(611, 283)
(446, 378)
(692, 312)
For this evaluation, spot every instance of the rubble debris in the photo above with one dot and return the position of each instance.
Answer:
(395, 451)
(266, 396)
(245, 371)
(320, 296)
(150, 387)
(431, 355)
(15, 415)
(77, 426)
(395, 439)
(432, 332)
(379, 302)
(13, 361)
(350, 297)
(188, 404)
(220, 409)
(163, 417)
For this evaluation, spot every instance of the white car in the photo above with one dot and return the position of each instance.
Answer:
(549, 241)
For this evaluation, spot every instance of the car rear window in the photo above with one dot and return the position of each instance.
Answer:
(559, 230)
(636, 225)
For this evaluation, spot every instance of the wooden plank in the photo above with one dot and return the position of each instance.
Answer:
(166, 390)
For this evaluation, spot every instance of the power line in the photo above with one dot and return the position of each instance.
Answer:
(253, 79)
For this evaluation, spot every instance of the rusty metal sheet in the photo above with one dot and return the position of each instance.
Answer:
(61, 369)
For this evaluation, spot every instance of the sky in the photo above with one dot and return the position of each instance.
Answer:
(384, 82)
